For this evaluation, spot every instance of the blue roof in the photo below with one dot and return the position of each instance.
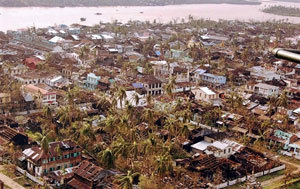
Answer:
(137, 85)
(157, 53)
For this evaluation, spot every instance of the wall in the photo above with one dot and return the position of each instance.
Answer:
(243, 179)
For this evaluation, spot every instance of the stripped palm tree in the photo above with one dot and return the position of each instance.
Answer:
(127, 181)
(107, 158)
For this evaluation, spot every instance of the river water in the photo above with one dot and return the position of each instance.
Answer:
(18, 18)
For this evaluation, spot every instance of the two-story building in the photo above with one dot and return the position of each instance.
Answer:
(91, 81)
(151, 84)
(212, 79)
(41, 93)
(266, 90)
(63, 154)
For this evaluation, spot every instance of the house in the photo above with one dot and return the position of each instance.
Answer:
(217, 148)
(181, 74)
(197, 75)
(289, 141)
(8, 135)
(54, 80)
(60, 155)
(151, 84)
(215, 80)
(19, 69)
(32, 77)
(262, 73)
(56, 39)
(204, 94)
(266, 90)
(91, 81)
(88, 176)
(160, 68)
(42, 94)
(32, 62)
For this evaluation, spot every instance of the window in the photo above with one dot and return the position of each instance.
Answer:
(66, 165)
(45, 171)
(224, 151)
(44, 161)
(71, 165)
(58, 168)
(229, 150)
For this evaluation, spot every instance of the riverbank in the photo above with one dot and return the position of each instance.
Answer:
(282, 11)
(95, 3)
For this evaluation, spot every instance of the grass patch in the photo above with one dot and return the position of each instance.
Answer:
(9, 170)
(281, 184)
(295, 185)
(270, 176)
(260, 179)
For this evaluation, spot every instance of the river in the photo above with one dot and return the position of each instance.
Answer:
(18, 18)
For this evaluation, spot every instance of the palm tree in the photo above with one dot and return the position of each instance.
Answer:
(107, 158)
(164, 164)
(170, 86)
(273, 103)
(121, 95)
(283, 100)
(64, 114)
(43, 139)
(110, 126)
(136, 99)
(47, 112)
(149, 100)
(120, 147)
(127, 181)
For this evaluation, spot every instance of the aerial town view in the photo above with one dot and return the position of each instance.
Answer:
(149, 94)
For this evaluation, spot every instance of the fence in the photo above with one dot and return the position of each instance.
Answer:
(243, 179)
(33, 178)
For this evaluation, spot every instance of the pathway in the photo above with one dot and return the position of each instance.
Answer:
(281, 177)
(9, 181)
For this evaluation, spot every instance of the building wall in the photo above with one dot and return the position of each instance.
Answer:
(153, 89)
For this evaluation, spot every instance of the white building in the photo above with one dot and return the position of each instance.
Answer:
(52, 81)
(266, 75)
(217, 148)
(204, 94)
(266, 90)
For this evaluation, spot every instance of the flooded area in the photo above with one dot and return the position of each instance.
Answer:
(17, 18)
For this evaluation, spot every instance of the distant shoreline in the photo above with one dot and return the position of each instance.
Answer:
(111, 3)
(282, 11)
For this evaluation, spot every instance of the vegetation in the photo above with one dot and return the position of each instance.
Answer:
(282, 10)
(73, 3)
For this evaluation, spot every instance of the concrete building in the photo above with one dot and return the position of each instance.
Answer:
(266, 90)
